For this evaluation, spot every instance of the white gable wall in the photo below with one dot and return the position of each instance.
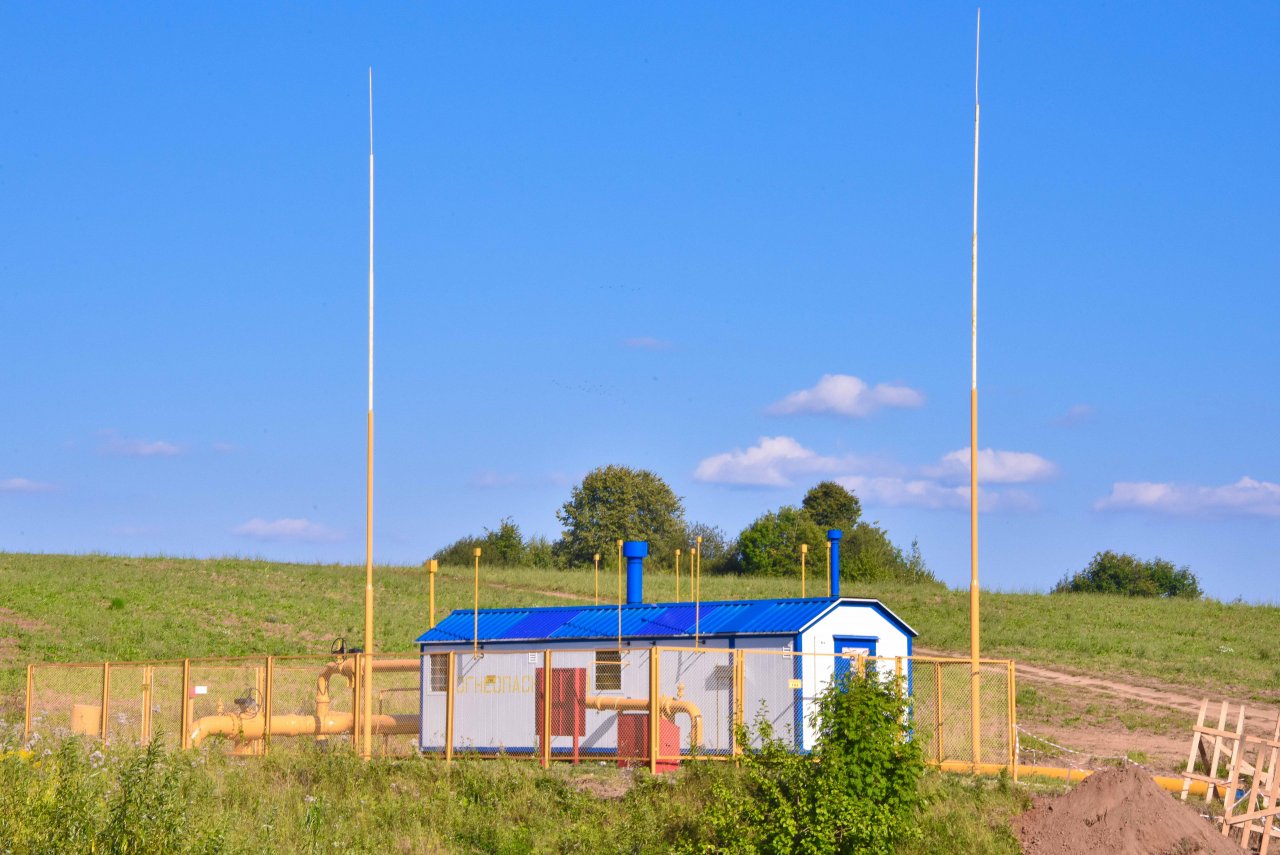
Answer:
(849, 620)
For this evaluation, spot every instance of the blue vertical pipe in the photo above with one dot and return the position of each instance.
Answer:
(635, 551)
(834, 536)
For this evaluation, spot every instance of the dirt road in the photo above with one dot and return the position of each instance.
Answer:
(1100, 719)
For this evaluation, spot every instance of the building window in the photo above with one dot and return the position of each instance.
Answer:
(439, 672)
(608, 671)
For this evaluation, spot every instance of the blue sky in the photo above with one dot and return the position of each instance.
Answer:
(642, 234)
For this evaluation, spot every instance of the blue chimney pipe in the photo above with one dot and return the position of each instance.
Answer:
(834, 536)
(635, 551)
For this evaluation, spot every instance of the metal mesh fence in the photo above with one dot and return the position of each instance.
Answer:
(696, 688)
(164, 692)
(941, 708)
(65, 700)
(631, 705)
(773, 697)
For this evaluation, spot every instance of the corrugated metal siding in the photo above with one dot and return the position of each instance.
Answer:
(647, 620)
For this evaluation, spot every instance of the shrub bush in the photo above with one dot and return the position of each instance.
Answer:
(459, 552)
(1114, 573)
(869, 556)
(504, 545)
(859, 791)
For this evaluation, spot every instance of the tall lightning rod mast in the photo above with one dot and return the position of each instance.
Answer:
(974, 647)
(366, 744)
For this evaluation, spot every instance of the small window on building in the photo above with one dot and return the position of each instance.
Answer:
(439, 672)
(608, 671)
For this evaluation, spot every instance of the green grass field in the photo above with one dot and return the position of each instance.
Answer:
(95, 607)
(90, 608)
(76, 800)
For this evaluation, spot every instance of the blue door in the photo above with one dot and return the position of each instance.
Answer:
(851, 644)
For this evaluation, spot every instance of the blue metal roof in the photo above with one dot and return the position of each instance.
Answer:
(645, 620)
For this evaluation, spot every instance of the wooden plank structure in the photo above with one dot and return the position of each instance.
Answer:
(1250, 791)
(1213, 746)
(1254, 812)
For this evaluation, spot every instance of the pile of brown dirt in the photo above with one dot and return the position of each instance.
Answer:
(1120, 810)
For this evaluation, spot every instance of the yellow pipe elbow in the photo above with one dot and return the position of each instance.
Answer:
(690, 709)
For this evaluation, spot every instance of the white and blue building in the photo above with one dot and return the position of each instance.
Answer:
(599, 638)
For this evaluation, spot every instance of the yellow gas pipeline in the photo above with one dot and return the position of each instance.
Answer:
(668, 708)
(248, 726)
(1173, 785)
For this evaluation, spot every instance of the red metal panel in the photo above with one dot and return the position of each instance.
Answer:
(568, 715)
(633, 741)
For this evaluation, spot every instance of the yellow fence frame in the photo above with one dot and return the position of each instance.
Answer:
(739, 660)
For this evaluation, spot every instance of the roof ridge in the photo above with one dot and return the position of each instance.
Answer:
(690, 603)
(718, 618)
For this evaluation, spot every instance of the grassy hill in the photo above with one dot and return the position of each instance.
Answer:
(95, 607)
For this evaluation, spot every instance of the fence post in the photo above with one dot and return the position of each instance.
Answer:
(268, 683)
(739, 697)
(31, 680)
(1013, 721)
(106, 697)
(260, 688)
(357, 703)
(937, 705)
(148, 677)
(976, 714)
(450, 672)
(185, 736)
(546, 708)
(654, 709)
(357, 700)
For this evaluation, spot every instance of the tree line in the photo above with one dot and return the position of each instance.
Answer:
(618, 502)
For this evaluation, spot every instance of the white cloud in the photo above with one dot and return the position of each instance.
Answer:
(114, 444)
(489, 479)
(772, 462)
(933, 495)
(287, 529)
(995, 466)
(846, 395)
(645, 342)
(24, 485)
(781, 461)
(1075, 415)
(1245, 497)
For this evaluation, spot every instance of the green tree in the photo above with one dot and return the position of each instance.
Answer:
(1122, 573)
(868, 555)
(618, 502)
(770, 546)
(504, 546)
(832, 506)
(719, 553)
